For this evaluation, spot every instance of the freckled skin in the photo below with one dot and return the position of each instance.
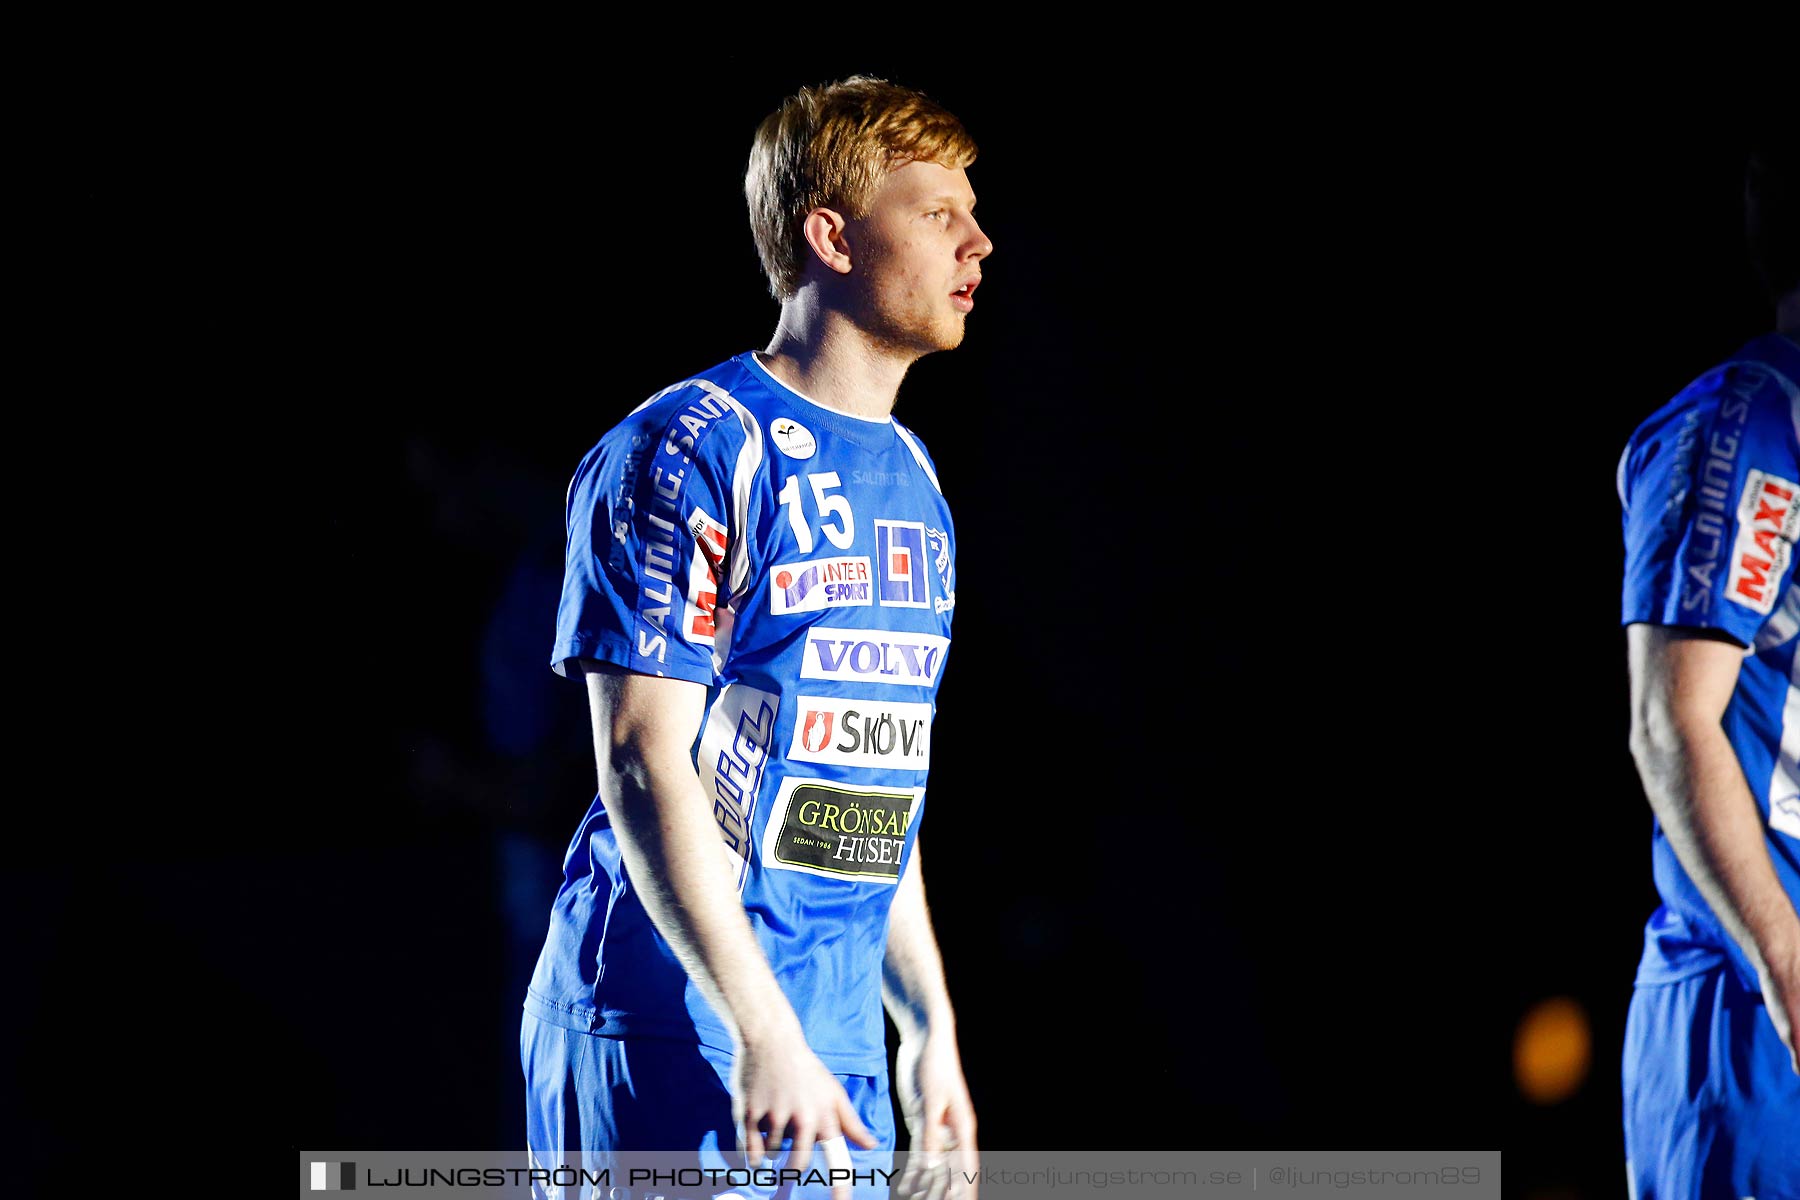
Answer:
(912, 251)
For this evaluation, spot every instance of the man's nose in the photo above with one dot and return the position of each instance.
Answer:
(980, 245)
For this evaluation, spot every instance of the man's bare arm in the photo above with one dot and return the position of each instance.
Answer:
(1681, 682)
(933, 1093)
(644, 729)
(912, 970)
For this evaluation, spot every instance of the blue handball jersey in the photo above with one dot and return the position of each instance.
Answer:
(1711, 489)
(798, 562)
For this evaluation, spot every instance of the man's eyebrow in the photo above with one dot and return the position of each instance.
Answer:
(951, 200)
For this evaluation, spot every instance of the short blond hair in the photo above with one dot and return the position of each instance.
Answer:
(830, 147)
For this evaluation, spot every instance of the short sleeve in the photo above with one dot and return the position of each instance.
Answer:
(1712, 506)
(649, 515)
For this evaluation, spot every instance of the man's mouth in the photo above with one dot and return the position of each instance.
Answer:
(964, 297)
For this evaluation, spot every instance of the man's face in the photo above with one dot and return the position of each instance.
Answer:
(912, 256)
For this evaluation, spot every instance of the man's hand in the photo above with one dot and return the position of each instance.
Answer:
(940, 1116)
(779, 1088)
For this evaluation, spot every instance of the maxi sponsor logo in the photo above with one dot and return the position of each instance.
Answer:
(708, 563)
(734, 749)
(1768, 517)
(862, 733)
(1712, 492)
(824, 828)
(819, 584)
(872, 656)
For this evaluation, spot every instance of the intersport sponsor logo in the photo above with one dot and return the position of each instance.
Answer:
(819, 584)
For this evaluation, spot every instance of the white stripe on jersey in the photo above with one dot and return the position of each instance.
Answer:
(920, 455)
(734, 750)
(1783, 624)
(1784, 780)
(1793, 394)
(743, 475)
(673, 387)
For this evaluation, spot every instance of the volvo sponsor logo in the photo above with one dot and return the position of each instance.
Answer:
(862, 733)
(872, 656)
(1767, 519)
(819, 584)
(792, 438)
(825, 828)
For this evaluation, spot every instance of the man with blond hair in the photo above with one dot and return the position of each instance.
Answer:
(758, 592)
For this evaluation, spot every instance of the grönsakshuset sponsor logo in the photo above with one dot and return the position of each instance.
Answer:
(821, 827)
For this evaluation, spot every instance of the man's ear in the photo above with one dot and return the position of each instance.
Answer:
(827, 233)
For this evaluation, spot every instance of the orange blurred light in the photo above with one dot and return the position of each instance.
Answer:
(1552, 1050)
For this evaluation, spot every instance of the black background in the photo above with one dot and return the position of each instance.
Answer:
(1281, 760)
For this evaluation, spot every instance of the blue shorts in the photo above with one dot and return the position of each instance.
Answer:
(1712, 1104)
(587, 1096)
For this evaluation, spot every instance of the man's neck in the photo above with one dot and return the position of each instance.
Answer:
(821, 355)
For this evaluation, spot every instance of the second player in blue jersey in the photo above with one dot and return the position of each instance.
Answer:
(1710, 485)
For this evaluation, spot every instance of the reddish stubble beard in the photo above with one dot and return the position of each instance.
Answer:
(901, 311)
